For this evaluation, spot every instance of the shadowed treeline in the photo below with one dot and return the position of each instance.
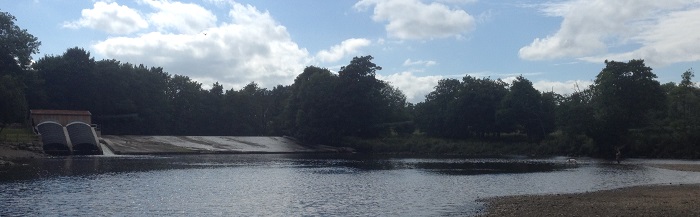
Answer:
(625, 109)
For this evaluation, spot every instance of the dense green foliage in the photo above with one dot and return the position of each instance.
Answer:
(16, 48)
(625, 109)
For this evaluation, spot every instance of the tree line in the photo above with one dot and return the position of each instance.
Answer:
(625, 108)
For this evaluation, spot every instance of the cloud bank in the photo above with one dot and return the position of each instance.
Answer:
(249, 46)
(661, 32)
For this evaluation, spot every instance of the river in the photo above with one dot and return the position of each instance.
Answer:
(300, 184)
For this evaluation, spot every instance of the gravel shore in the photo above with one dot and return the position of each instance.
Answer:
(653, 200)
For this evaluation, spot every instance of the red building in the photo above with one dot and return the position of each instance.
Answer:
(63, 117)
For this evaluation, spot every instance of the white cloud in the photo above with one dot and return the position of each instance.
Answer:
(347, 47)
(180, 17)
(409, 62)
(415, 88)
(458, 1)
(674, 38)
(111, 18)
(663, 31)
(412, 19)
(252, 47)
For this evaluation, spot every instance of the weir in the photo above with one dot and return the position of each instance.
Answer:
(208, 145)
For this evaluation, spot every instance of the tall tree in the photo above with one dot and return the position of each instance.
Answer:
(624, 95)
(16, 46)
(575, 113)
(361, 97)
(13, 106)
(684, 111)
(477, 103)
(69, 79)
(187, 107)
(436, 116)
(522, 108)
(312, 111)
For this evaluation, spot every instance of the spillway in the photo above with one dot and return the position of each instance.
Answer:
(105, 150)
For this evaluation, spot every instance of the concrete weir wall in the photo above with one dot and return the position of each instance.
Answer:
(207, 144)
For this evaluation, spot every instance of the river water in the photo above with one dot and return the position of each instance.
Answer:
(300, 184)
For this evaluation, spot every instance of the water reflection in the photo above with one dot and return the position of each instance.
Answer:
(294, 185)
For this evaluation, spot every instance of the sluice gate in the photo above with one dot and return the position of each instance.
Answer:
(53, 138)
(83, 138)
(75, 138)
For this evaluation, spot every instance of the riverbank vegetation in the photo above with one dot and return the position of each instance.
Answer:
(625, 109)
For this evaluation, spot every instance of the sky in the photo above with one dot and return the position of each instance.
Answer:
(557, 44)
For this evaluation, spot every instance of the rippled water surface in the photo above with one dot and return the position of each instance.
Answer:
(294, 185)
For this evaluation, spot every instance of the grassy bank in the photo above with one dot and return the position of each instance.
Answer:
(17, 143)
(17, 135)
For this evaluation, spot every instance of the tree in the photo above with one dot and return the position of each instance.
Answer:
(575, 113)
(186, 98)
(12, 102)
(477, 103)
(394, 105)
(575, 119)
(684, 111)
(625, 95)
(69, 79)
(522, 109)
(684, 103)
(278, 99)
(312, 113)
(436, 116)
(16, 46)
(361, 98)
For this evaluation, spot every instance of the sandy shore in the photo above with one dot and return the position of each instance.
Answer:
(679, 167)
(654, 200)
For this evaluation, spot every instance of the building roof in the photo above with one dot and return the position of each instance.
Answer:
(59, 112)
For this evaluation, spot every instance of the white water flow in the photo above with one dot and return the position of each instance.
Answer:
(105, 150)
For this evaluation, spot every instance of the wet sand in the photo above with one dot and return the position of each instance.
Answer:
(653, 200)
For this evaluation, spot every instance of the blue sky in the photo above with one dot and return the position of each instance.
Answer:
(555, 44)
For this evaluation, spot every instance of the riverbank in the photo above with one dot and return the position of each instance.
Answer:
(11, 153)
(654, 200)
